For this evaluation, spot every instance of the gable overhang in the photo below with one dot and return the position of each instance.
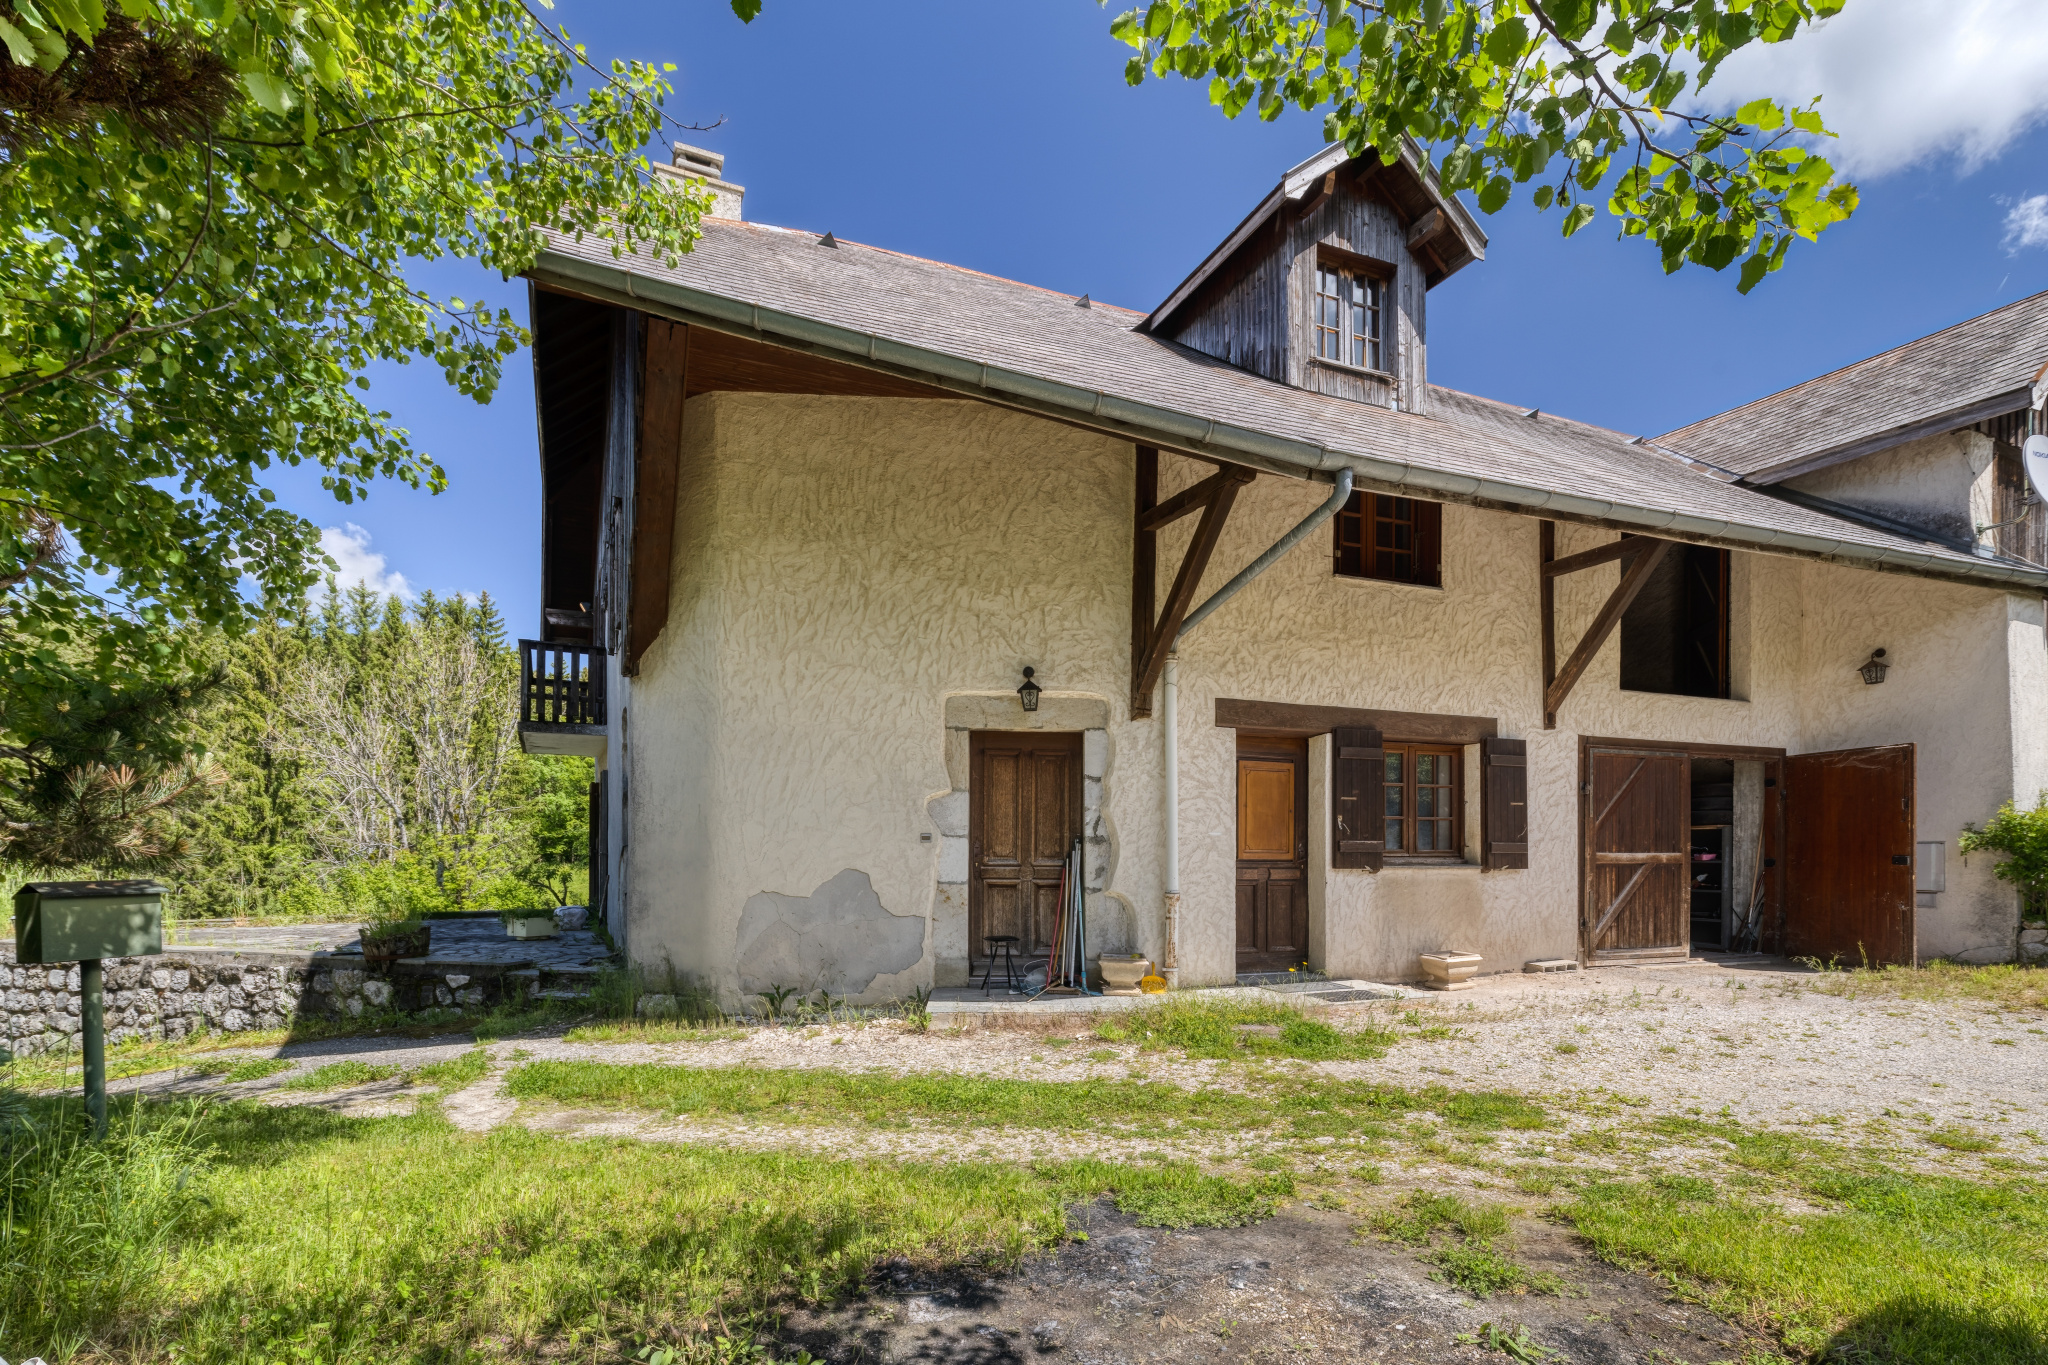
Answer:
(1983, 410)
(1303, 182)
(1204, 438)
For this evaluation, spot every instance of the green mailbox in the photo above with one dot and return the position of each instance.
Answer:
(83, 921)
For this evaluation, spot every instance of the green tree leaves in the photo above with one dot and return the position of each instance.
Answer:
(208, 211)
(1559, 92)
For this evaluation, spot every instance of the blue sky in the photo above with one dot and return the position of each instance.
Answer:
(1002, 137)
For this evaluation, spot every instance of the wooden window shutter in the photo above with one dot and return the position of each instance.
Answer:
(1504, 804)
(1358, 764)
(1429, 544)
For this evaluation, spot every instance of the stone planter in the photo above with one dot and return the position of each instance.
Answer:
(1450, 970)
(384, 949)
(533, 926)
(570, 917)
(1121, 972)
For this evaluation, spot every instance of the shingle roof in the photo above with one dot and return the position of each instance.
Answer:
(1033, 348)
(1974, 370)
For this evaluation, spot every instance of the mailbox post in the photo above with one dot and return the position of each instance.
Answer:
(57, 923)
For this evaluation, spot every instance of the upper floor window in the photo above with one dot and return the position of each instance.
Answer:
(1674, 636)
(1397, 539)
(1347, 318)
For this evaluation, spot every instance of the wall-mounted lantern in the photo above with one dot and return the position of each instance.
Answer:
(1874, 667)
(1028, 693)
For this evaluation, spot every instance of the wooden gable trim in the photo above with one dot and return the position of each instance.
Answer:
(657, 457)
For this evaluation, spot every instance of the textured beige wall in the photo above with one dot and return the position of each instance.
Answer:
(1944, 483)
(843, 566)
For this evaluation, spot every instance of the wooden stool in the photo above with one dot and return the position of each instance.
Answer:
(1001, 944)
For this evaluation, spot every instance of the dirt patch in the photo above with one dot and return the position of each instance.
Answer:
(1303, 1284)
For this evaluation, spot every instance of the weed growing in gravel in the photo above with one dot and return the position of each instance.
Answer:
(1225, 1029)
(1958, 1139)
(241, 1069)
(2010, 987)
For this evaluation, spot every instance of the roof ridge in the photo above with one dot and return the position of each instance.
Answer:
(1855, 364)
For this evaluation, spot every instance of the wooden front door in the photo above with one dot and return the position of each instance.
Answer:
(1849, 849)
(1272, 853)
(1023, 815)
(1637, 841)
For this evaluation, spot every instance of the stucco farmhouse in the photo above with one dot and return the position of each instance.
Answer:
(1326, 664)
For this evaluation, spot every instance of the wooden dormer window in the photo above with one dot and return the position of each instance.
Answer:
(1348, 309)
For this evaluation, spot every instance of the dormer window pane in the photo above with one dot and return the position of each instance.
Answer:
(1346, 319)
(1329, 317)
(1365, 322)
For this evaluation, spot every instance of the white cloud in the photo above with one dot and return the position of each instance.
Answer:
(1907, 81)
(349, 546)
(2026, 224)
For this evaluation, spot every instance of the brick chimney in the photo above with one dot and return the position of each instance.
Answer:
(695, 163)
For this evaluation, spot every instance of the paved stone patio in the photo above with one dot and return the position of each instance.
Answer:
(468, 940)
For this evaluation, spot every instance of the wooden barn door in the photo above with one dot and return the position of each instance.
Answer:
(1272, 853)
(1023, 814)
(1849, 852)
(1637, 842)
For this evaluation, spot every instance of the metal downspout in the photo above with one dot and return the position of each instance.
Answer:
(1169, 709)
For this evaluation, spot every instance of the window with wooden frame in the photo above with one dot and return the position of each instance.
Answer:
(1348, 316)
(1674, 635)
(1422, 792)
(1399, 540)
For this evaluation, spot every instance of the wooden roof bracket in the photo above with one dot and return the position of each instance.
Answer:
(1641, 555)
(1152, 639)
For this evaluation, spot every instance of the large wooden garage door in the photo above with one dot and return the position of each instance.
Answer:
(1636, 844)
(1849, 854)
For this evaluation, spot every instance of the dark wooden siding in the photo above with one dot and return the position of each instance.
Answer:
(1254, 313)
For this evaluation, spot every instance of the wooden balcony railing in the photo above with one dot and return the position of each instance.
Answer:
(561, 684)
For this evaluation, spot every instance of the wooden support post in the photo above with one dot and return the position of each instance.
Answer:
(1147, 664)
(1546, 541)
(1144, 573)
(1640, 566)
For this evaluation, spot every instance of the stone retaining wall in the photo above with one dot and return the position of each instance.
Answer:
(230, 991)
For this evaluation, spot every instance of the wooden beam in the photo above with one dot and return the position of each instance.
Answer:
(1193, 498)
(1632, 581)
(1587, 559)
(1411, 727)
(1144, 570)
(664, 378)
(1425, 227)
(1181, 596)
(1546, 551)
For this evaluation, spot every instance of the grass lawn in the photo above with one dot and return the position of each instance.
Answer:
(298, 1235)
(1298, 1107)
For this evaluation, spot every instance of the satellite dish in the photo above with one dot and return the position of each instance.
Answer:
(2034, 454)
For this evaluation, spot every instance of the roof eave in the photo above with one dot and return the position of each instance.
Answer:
(1192, 434)
(2013, 400)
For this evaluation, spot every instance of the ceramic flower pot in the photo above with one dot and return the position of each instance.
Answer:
(1121, 972)
(1450, 970)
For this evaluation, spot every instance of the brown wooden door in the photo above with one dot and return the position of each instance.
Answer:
(1024, 813)
(1849, 854)
(1637, 843)
(1272, 853)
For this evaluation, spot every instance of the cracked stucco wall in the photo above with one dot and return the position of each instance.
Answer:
(850, 573)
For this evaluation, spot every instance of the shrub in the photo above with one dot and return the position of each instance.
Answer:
(2022, 836)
